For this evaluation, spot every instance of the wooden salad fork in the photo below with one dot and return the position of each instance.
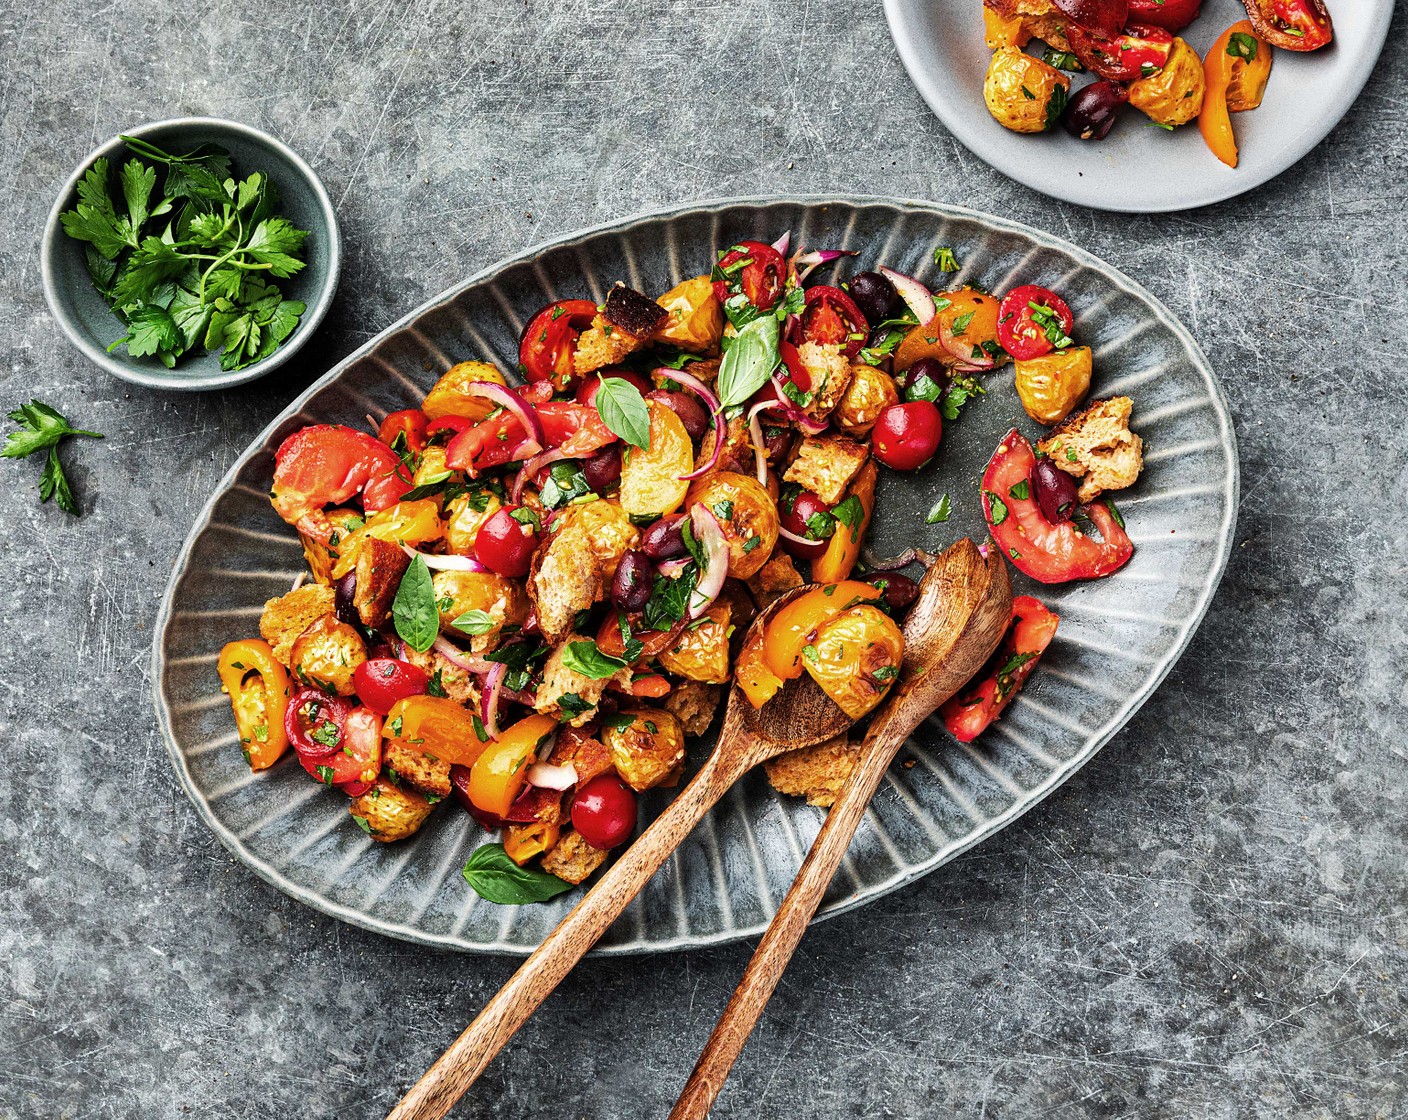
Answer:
(800, 715)
(964, 607)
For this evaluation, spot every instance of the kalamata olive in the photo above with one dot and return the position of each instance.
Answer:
(342, 600)
(693, 415)
(900, 591)
(1091, 112)
(777, 442)
(635, 576)
(603, 470)
(875, 296)
(664, 539)
(925, 380)
(1055, 491)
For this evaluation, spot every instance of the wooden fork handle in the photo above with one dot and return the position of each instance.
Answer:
(459, 1067)
(775, 950)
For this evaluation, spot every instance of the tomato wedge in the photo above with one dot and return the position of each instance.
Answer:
(977, 706)
(753, 268)
(408, 425)
(1028, 320)
(1046, 552)
(1171, 15)
(832, 317)
(354, 768)
(548, 341)
(1292, 25)
(576, 429)
(1136, 52)
(496, 440)
(326, 464)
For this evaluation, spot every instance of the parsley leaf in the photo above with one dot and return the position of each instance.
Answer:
(944, 259)
(42, 428)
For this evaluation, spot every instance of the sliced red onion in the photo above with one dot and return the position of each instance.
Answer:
(963, 351)
(450, 563)
(818, 257)
(673, 569)
(794, 538)
(461, 660)
(376, 428)
(522, 411)
(783, 243)
(792, 330)
(915, 295)
(489, 698)
(808, 424)
(532, 467)
(889, 564)
(546, 776)
(709, 533)
(298, 581)
(984, 549)
(755, 433)
(527, 699)
(716, 412)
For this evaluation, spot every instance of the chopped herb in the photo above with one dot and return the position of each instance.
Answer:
(723, 509)
(570, 704)
(565, 483)
(751, 543)
(1110, 505)
(961, 323)
(998, 508)
(618, 722)
(325, 774)
(851, 513)
(885, 673)
(1020, 491)
(363, 824)
(1241, 45)
(524, 515)
(1062, 60)
(944, 260)
(810, 653)
(940, 511)
(436, 685)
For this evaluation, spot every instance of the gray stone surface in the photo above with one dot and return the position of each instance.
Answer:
(1211, 919)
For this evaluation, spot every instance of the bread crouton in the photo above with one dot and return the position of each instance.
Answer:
(581, 694)
(424, 772)
(323, 556)
(830, 372)
(1041, 19)
(286, 617)
(776, 577)
(380, 566)
(603, 528)
(572, 859)
(737, 452)
(446, 678)
(825, 465)
(389, 812)
(583, 751)
(624, 325)
(1096, 446)
(578, 563)
(817, 772)
(694, 703)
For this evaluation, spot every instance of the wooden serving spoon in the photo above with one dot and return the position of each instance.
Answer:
(800, 715)
(964, 607)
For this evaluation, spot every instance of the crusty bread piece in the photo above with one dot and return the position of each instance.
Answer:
(625, 324)
(1096, 446)
(825, 465)
(777, 576)
(694, 703)
(559, 681)
(816, 773)
(830, 372)
(286, 617)
(572, 859)
(424, 772)
(380, 566)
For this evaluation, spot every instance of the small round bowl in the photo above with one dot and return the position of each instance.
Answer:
(91, 325)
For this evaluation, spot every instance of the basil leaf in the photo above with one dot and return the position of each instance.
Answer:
(623, 410)
(474, 622)
(588, 661)
(749, 361)
(414, 610)
(495, 877)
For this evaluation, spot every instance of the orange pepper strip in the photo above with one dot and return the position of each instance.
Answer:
(793, 627)
(259, 691)
(758, 683)
(524, 841)
(1249, 78)
(498, 774)
(843, 549)
(1221, 69)
(999, 32)
(436, 725)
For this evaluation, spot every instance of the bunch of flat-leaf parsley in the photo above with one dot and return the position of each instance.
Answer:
(189, 266)
(41, 429)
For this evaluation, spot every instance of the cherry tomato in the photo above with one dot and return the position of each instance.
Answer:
(604, 812)
(505, 545)
(907, 435)
(545, 350)
(355, 766)
(381, 681)
(831, 316)
(586, 391)
(447, 427)
(796, 373)
(315, 722)
(1021, 335)
(409, 424)
(1136, 52)
(761, 279)
(982, 700)
(576, 428)
(1171, 15)
(807, 516)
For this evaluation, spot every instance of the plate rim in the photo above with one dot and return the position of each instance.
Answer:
(903, 37)
(1057, 777)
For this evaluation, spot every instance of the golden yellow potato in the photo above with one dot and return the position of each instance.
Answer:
(323, 558)
(389, 811)
(870, 391)
(855, 658)
(503, 600)
(1053, 384)
(696, 321)
(448, 398)
(648, 752)
(326, 654)
(464, 517)
(1174, 95)
(1001, 31)
(1023, 93)
(600, 528)
(651, 477)
(701, 654)
(746, 513)
(431, 468)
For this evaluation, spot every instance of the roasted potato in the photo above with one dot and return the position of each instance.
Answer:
(870, 391)
(650, 477)
(1053, 384)
(695, 319)
(326, 654)
(431, 468)
(701, 653)
(855, 658)
(747, 514)
(390, 812)
(464, 517)
(648, 752)
(286, 617)
(502, 599)
(1023, 93)
(380, 566)
(448, 397)
(1174, 95)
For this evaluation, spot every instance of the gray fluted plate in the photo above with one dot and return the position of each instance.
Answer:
(1117, 640)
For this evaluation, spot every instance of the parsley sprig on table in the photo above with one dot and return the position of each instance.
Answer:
(41, 429)
(189, 266)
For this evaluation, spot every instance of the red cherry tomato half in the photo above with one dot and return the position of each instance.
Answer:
(359, 756)
(982, 700)
(1021, 335)
(1304, 24)
(1171, 15)
(506, 545)
(577, 429)
(907, 435)
(761, 279)
(831, 316)
(408, 425)
(447, 427)
(604, 812)
(316, 723)
(806, 516)
(586, 391)
(545, 350)
(381, 681)
(1136, 52)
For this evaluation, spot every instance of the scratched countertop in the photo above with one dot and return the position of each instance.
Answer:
(1209, 920)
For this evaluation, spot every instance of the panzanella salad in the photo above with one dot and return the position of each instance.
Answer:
(526, 599)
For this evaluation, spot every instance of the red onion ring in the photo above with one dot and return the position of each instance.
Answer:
(891, 563)
(546, 776)
(449, 563)
(783, 243)
(755, 433)
(809, 425)
(532, 467)
(710, 534)
(673, 569)
(916, 296)
(489, 698)
(522, 411)
(818, 257)
(963, 351)
(461, 660)
(795, 539)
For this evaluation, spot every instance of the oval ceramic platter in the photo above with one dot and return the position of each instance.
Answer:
(1118, 636)
(1140, 168)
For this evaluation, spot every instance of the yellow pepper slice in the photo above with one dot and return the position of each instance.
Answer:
(498, 774)
(258, 688)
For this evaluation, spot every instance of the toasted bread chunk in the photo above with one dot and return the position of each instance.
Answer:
(816, 773)
(559, 681)
(825, 465)
(775, 577)
(625, 324)
(390, 812)
(628, 310)
(830, 371)
(286, 617)
(587, 754)
(426, 773)
(694, 703)
(458, 684)
(578, 563)
(1096, 446)
(572, 859)
(380, 566)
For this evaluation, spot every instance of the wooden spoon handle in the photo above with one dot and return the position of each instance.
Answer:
(775, 950)
(460, 1066)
